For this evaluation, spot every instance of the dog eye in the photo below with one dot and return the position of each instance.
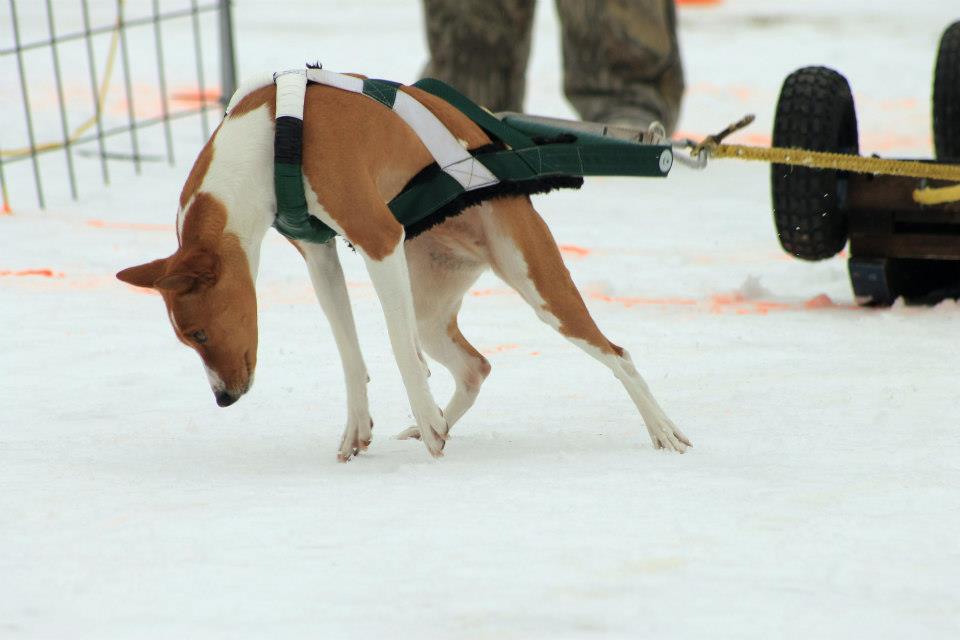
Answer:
(199, 336)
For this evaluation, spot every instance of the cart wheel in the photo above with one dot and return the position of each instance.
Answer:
(946, 95)
(815, 111)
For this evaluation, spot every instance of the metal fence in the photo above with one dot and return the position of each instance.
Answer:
(74, 125)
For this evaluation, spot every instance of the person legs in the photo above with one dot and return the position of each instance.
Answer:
(621, 58)
(481, 47)
(621, 61)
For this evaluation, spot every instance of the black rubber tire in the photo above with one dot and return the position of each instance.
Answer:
(815, 111)
(946, 96)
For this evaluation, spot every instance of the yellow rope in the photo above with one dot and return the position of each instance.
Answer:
(101, 99)
(836, 161)
(856, 164)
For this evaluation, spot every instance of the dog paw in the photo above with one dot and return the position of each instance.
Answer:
(356, 437)
(413, 433)
(437, 432)
(410, 433)
(666, 435)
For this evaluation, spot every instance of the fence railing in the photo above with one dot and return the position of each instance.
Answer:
(49, 45)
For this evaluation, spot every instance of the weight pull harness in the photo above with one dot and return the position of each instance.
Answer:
(524, 158)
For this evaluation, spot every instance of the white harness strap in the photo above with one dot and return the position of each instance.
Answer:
(291, 92)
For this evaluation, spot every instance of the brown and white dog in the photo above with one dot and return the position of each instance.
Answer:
(357, 156)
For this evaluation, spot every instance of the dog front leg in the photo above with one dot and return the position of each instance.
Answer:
(326, 274)
(391, 279)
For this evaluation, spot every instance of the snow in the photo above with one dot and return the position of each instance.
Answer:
(820, 499)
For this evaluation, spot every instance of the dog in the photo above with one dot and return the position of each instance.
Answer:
(357, 156)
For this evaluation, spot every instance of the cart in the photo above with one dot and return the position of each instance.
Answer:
(898, 248)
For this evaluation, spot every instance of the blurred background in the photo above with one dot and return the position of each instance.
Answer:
(174, 55)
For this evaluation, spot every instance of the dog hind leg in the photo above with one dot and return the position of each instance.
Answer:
(326, 274)
(524, 254)
(440, 277)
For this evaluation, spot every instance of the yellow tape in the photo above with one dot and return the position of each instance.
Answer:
(941, 195)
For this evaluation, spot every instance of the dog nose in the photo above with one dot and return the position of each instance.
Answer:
(224, 399)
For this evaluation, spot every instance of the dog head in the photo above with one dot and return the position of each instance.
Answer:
(208, 290)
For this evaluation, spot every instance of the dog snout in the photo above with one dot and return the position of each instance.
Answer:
(225, 398)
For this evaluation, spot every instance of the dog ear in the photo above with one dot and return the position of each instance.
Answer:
(143, 275)
(193, 271)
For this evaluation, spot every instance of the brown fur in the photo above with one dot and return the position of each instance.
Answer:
(199, 171)
(204, 221)
(453, 330)
(517, 218)
(254, 100)
(208, 273)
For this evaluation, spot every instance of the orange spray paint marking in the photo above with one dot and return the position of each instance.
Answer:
(45, 273)
(485, 293)
(721, 300)
(743, 94)
(135, 226)
(141, 290)
(149, 102)
(821, 301)
(892, 142)
(358, 284)
(721, 303)
(195, 95)
(757, 139)
(574, 250)
(6, 208)
(500, 348)
(633, 301)
(742, 306)
(899, 104)
(763, 307)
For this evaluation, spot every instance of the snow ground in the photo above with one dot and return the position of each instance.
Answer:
(820, 499)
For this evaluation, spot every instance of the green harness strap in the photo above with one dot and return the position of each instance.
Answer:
(293, 220)
(566, 154)
(585, 154)
(383, 91)
(480, 116)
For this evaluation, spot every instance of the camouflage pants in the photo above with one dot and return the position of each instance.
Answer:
(621, 60)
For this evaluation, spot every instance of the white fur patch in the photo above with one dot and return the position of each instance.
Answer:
(216, 382)
(248, 86)
(241, 177)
